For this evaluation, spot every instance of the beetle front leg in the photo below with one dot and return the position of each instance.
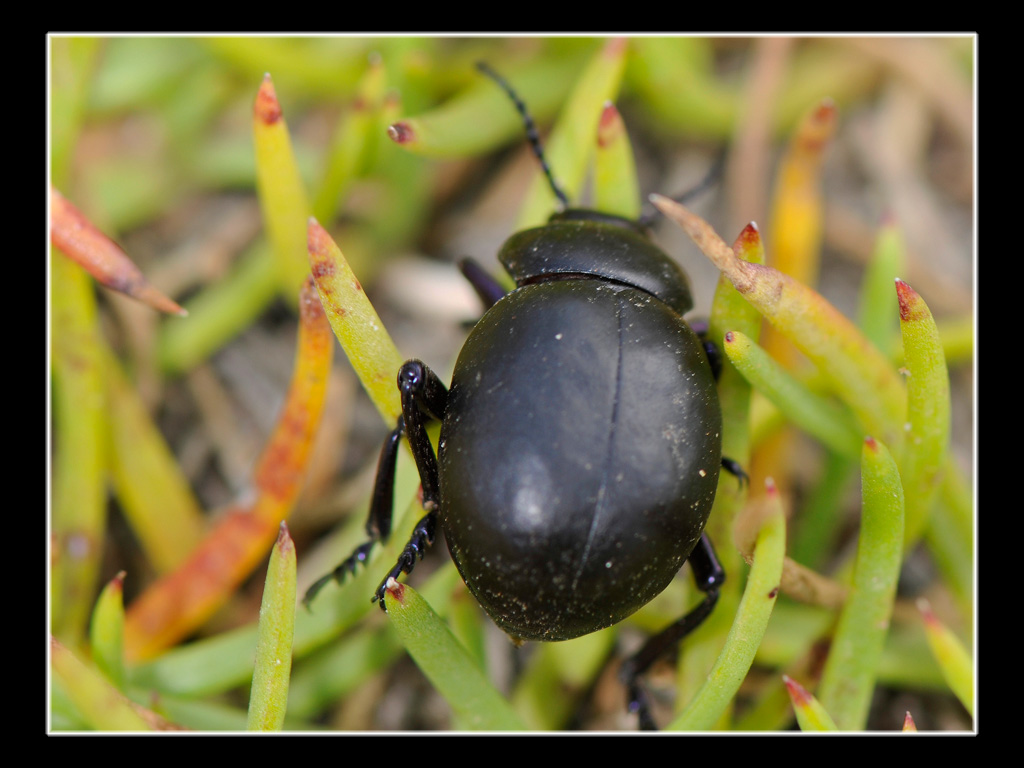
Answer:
(709, 576)
(422, 537)
(423, 399)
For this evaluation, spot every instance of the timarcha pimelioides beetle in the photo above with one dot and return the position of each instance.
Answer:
(580, 439)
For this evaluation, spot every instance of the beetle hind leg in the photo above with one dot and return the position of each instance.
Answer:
(709, 576)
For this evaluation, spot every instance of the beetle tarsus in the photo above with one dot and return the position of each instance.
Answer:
(638, 703)
(733, 468)
(420, 540)
(347, 567)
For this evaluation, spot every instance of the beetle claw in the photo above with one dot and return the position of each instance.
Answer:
(734, 468)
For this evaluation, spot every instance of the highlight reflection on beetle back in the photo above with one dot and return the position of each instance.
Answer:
(585, 490)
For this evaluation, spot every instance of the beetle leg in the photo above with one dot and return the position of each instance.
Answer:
(378, 523)
(701, 328)
(733, 468)
(423, 399)
(487, 288)
(422, 537)
(708, 575)
(715, 360)
(714, 357)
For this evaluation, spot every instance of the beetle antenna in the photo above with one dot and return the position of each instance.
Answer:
(711, 178)
(531, 129)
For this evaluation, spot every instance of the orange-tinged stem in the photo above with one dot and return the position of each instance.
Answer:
(180, 602)
(362, 335)
(797, 213)
(795, 249)
(82, 241)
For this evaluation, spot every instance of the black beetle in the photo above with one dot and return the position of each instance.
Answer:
(580, 442)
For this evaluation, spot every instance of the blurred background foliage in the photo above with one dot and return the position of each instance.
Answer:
(151, 137)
